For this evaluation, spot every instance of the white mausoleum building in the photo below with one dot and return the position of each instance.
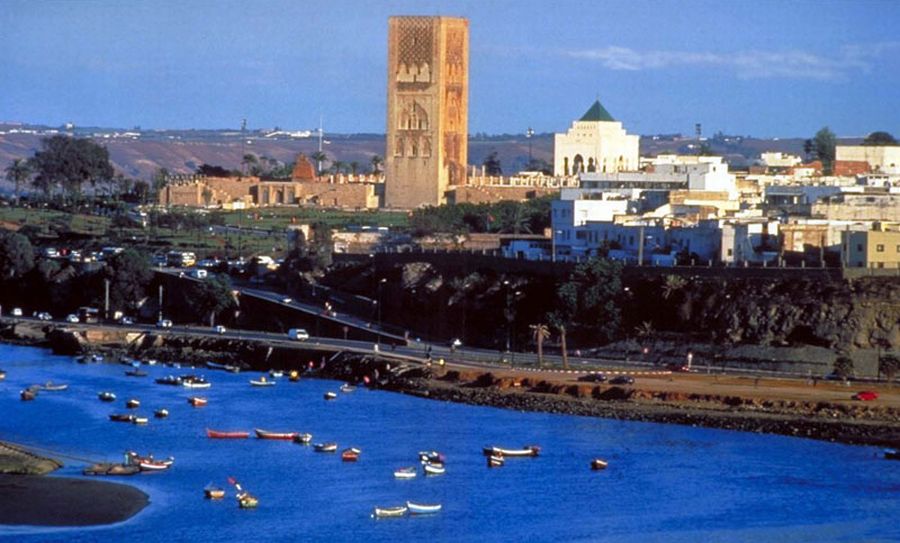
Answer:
(595, 143)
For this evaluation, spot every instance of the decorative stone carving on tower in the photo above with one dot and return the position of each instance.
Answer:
(427, 121)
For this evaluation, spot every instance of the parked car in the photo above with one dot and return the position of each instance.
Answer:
(298, 334)
(593, 378)
(43, 316)
(71, 318)
(17, 312)
(287, 300)
(219, 329)
(126, 320)
(622, 380)
(866, 395)
(164, 323)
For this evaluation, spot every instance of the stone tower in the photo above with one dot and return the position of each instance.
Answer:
(427, 113)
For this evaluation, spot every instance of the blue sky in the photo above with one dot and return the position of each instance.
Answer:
(763, 68)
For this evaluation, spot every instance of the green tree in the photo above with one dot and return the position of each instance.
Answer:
(492, 165)
(69, 163)
(376, 161)
(843, 367)
(558, 320)
(354, 167)
(129, 275)
(18, 172)
(210, 298)
(338, 166)
(589, 300)
(888, 365)
(880, 138)
(250, 164)
(320, 158)
(823, 148)
(16, 255)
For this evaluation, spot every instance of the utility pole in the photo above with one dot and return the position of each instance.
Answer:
(641, 248)
(106, 299)
(528, 134)
(321, 135)
(160, 303)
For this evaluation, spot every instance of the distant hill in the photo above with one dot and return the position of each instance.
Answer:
(140, 156)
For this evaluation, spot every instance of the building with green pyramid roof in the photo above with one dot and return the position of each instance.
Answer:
(595, 143)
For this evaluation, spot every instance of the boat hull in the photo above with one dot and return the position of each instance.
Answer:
(497, 451)
(263, 434)
(215, 434)
(388, 512)
(422, 509)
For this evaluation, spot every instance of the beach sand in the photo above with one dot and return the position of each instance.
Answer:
(58, 501)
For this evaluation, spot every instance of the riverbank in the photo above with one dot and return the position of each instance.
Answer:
(55, 501)
(29, 498)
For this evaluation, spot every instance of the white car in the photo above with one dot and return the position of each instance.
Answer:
(72, 318)
(164, 323)
(219, 329)
(17, 312)
(298, 334)
(44, 316)
(126, 320)
(287, 300)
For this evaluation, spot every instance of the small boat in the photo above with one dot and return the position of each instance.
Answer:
(215, 365)
(262, 382)
(197, 401)
(28, 394)
(3, 375)
(598, 464)
(216, 434)
(891, 454)
(170, 380)
(385, 512)
(325, 447)
(346, 387)
(286, 436)
(247, 500)
(232, 369)
(161, 413)
(212, 492)
(330, 395)
(192, 381)
(530, 450)
(107, 397)
(154, 465)
(121, 417)
(434, 469)
(151, 362)
(405, 473)
(495, 461)
(303, 439)
(140, 421)
(432, 457)
(50, 387)
(350, 455)
(422, 509)
(133, 403)
(275, 374)
(294, 376)
(136, 373)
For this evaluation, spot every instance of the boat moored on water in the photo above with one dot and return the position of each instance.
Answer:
(405, 473)
(294, 376)
(329, 447)
(598, 464)
(28, 394)
(433, 457)
(303, 439)
(194, 381)
(495, 461)
(2, 375)
(422, 509)
(347, 387)
(49, 386)
(107, 397)
(216, 434)
(434, 469)
(197, 401)
(170, 380)
(148, 463)
(530, 450)
(245, 499)
(213, 492)
(891, 454)
(262, 382)
(161, 413)
(350, 455)
(275, 374)
(330, 395)
(136, 373)
(133, 403)
(387, 512)
(121, 417)
(140, 421)
(286, 436)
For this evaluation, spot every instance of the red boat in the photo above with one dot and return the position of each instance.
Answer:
(215, 434)
(262, 434)
(197, 401)
(350, 455)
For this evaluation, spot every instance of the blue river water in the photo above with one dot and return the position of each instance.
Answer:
(664, 482)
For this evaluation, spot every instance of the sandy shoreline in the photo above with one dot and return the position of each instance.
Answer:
(58, 501)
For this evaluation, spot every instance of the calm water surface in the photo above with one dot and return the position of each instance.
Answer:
(665, 483)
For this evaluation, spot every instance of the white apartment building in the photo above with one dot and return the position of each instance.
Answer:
(595, 143)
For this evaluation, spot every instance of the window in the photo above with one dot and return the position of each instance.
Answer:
(879, 248)
(898, 248)
(859, 247)
(730, 252)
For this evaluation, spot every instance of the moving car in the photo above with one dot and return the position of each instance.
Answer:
(43, 316)
(298, 334)
(164, 323)
(593, 378)
(17, 312)
(287, 300)
(622, 380)
(71, 318)
(219, 329)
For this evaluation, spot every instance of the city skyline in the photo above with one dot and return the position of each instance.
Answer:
(767, 69)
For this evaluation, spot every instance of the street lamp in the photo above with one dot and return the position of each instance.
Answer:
(528, 134)
(378, 307)
(508, 316)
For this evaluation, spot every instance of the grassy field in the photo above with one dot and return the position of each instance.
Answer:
(281, 217)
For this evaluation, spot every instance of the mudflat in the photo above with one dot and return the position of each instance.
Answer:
(57, 501)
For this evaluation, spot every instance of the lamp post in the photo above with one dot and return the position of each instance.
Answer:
(508, 316)
(378, 307)
(528, 134)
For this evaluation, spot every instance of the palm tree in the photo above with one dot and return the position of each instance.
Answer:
(248, 160)
(18, 172)
(354, 167)
(562, 344)
(673, 284)
(319, 157)
(376, 162)
(540, 332)
(337, 166)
